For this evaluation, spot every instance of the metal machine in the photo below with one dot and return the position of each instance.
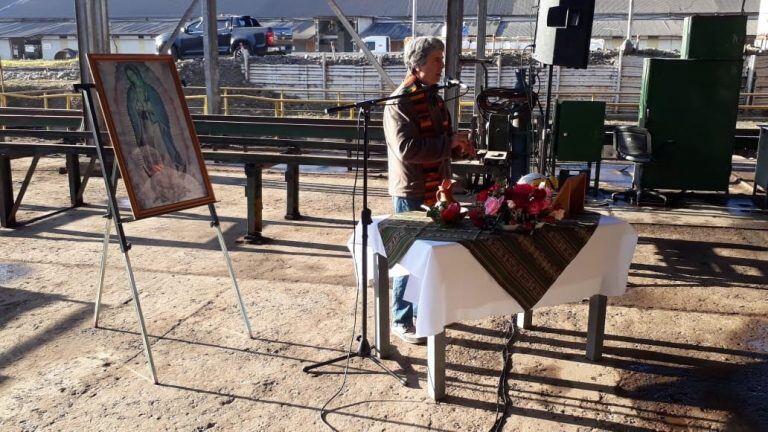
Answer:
(506, 113)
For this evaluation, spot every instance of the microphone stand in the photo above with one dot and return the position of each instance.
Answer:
(365, 349)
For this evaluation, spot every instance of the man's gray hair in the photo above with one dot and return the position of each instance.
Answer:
(417, 51)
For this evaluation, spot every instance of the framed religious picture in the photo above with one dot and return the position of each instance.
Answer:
(152, 133)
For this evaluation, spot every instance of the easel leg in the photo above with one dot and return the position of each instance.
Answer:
(436, 366)
(140, 314)
(596, 327)
(525, 319)
(231, 269)
(381, 292)
(102, 271)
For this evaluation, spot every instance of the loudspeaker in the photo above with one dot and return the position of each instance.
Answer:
(563, 32)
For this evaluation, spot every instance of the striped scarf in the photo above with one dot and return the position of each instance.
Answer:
(428, 129)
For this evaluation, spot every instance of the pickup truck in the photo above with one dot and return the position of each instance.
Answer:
(236, 34)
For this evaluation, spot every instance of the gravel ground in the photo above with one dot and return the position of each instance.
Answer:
(686, 347)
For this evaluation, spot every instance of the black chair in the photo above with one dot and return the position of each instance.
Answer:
(633, 144)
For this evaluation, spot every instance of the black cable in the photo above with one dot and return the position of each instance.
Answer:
(323, 412)
(743, 2)
(458, 96)
(502, 394)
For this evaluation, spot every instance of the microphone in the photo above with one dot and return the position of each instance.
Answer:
(450, 82)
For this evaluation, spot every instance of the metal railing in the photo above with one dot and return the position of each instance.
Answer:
(279, 102)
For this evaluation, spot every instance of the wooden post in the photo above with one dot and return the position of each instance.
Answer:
(254, 202)
(292, 192)
(225, 101)
(211, 53)
(324, 66)
(381, 292)
(436, 366)
(6, 193)
(596, 326)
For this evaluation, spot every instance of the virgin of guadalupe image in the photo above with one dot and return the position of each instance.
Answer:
(160, 170)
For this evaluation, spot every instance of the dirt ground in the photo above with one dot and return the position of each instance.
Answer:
(686, 348)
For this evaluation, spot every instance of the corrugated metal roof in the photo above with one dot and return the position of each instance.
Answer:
(401, 30)
(14, 9)
(22, 29)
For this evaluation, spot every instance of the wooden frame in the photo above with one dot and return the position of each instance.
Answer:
(151, 130)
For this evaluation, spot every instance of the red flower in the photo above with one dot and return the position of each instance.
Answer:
(536, 207)
(450, 213)
(482, 196)
(476, 216)
(522, 189)
(539, 194)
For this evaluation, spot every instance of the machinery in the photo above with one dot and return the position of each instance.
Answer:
(506, 114)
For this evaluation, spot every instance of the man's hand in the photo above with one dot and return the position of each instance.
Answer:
(462, 145)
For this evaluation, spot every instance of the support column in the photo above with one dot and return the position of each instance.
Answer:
(454, 24)
(211, 54)
(254, 203)
(480, 84)
(292, 192)
(6, 193)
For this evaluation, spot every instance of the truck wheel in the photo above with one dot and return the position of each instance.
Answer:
(239, 49)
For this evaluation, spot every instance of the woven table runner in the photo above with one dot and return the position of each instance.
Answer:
(524, 264)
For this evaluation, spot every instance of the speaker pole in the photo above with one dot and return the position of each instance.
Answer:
(546, 141)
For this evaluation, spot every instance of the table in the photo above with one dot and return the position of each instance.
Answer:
(440, 274)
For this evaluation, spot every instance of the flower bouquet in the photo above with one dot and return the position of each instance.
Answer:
(446, 213)
(520, 207)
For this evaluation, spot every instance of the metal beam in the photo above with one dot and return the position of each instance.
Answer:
(482, 14)
(211, 53)
(356, 37)
(454, 24)
(184, 18)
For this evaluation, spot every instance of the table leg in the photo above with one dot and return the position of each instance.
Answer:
(525, 319)
(381, 292)
(596, 326)
(436, 366)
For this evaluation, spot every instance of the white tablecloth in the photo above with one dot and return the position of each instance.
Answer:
(449, 285)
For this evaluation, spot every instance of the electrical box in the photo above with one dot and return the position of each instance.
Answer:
(689, 107)
(578, 130)
(714, 37)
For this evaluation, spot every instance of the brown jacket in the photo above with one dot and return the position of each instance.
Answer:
(407, 151)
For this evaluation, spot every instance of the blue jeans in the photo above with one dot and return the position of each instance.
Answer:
(403, 312)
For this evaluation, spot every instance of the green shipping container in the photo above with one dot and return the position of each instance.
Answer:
(689, 107)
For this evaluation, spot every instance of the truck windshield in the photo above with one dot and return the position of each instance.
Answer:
(245, 22)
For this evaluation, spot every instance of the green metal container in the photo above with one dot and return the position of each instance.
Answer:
(714, 37)
(689, 107)
(579, 130)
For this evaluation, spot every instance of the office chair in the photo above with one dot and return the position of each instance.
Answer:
(633, 144)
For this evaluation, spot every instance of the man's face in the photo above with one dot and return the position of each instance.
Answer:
(431, 71)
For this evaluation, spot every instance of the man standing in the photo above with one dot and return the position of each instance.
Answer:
(419, 144)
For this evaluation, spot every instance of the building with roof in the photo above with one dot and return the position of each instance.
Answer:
(40, 28)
